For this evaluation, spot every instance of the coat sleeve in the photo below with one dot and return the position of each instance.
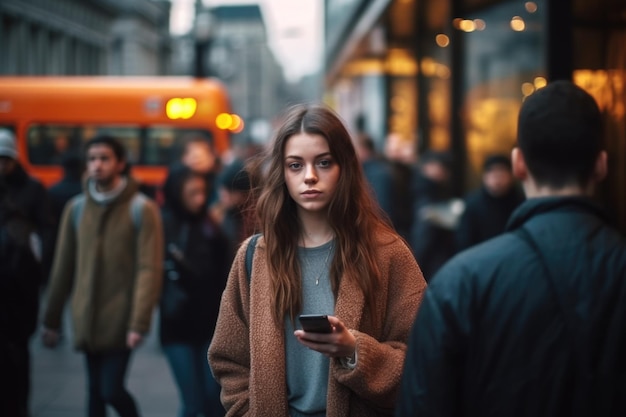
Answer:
(62, 275)
(377, 375)
(149, 268)
(229, 352)
(433, 371)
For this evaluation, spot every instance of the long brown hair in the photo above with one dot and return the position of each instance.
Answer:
(352, 214)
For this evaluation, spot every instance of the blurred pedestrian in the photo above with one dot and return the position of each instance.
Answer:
(109, 258)
(20, 277)
(197, 260)
(231, 211)
(435, 213)
(324, 249)
(69, 186)
(377, 172)
(199, 155)
(488, 209)
(29, 197)
(531, 323)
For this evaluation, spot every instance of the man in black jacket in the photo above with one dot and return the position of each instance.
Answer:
(488, 209)
(531, 323)
(29, 196)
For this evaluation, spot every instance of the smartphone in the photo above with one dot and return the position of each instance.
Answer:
(315, 323)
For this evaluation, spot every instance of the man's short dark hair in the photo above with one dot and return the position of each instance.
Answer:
(115, 145)
(560, 133)
(493, 161)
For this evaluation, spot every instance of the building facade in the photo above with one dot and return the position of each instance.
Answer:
(241, 57)
(452, 74)
(88, 37)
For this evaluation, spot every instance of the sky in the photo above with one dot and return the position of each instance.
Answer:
(294, 28)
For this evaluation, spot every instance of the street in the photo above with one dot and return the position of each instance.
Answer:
(59, 381)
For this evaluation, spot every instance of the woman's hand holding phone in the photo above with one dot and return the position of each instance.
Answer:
(340, 343)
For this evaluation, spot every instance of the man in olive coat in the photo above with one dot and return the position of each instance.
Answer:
(109, 258)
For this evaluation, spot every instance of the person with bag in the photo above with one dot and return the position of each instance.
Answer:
(109, 260)
(532, 322)
(325, 249)
(20, 278)
(197, 259)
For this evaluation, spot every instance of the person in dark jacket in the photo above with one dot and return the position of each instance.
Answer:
(70, 185)
(20, 277)
(378, 173)
(488, 209)
(531, 323)
(29, 197)
(232, 211)
(196, 269)
(435, 213)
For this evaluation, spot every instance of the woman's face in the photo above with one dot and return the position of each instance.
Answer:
(311, 173)
(194, 194)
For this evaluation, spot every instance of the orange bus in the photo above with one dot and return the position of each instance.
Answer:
(54, 115)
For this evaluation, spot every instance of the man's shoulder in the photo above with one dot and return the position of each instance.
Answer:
(481, 263)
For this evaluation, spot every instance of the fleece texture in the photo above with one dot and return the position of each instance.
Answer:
(247, 354)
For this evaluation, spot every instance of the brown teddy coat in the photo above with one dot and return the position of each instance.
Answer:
(112, 268)
(247, 351)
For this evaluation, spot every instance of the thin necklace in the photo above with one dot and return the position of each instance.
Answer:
(324, 268)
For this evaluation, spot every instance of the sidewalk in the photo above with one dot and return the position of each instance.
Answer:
(59, 381)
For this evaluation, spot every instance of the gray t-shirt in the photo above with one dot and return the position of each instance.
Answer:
(307, 370)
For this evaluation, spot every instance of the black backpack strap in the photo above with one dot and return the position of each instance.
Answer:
(250, 255)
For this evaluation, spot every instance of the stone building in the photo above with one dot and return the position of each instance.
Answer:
(84, 37)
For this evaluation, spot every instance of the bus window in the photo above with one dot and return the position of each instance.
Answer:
(151, 146)
(48, 143)
(164, 144)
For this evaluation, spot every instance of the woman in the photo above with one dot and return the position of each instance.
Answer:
(196, 268)
(325, 249)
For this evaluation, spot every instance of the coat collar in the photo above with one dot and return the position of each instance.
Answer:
(537, 206)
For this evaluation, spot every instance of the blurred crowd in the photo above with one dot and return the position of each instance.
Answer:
(116, 253)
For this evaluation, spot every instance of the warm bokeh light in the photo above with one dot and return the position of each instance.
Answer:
(607, 87)
(224, 121)
(456, 23)
(442, 40)
(180, 108)
(428, 66)
(480, 24)
(467, 25)
(540, 82)
(237, 124)
(517, 24)
(231, 122)
(528, 89)
(531, 6)
(443, 71)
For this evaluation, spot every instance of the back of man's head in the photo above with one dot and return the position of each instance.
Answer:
(559, 133)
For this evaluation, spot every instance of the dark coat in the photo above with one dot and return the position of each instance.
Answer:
(525, 325)
(485, 216)
(200, 274)
(20, 277)
(31, 199)
(432, 241)
(61, 192)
